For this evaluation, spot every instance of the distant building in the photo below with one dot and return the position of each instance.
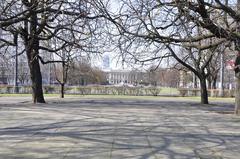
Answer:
(126, 77)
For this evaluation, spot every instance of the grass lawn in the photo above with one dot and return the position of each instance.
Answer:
(211, 99)
(168, 90)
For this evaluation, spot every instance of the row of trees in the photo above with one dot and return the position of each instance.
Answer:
(193, 32)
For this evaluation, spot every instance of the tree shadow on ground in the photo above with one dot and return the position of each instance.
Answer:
(117, 129)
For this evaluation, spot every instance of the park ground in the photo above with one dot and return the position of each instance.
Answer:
(118, 127)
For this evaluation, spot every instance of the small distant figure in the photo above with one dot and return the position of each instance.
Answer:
(237, 65)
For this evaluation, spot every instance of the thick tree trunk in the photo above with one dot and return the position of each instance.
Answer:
(36, 77)
(237, 46)
(62, 90)
(237, 77)
(32, 49)
(204, 93)
(64, 76)
(35, 72)
(237, 96)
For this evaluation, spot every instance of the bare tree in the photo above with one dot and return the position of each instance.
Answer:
(82, 73)
(153, 30)
(37, 21)
(164, 22)
(62, 69)
(164, 77)
(197, 61)
(203, 14)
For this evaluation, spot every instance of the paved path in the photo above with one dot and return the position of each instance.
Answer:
(118, 129)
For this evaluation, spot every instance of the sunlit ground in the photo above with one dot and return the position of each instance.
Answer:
(109, 127)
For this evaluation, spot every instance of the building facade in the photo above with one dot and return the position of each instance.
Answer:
(116, 77)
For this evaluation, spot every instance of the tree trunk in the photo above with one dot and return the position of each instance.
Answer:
(237, 47)
(237, 96)
(32, 49)
(204, 93)
(36, 77)
(35, 72)
(62, 90)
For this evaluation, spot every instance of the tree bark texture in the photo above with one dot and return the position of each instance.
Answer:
(237, 91)
(237, 96)
(62, 90)
(36, 77)
(204, 92)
